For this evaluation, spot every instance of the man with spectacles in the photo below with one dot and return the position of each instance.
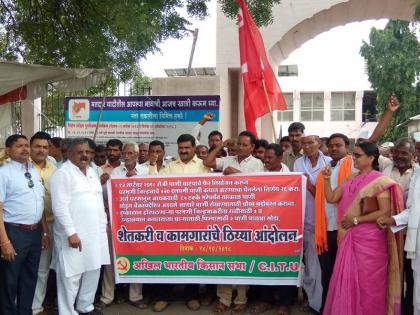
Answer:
(22, 206)
(130, 168)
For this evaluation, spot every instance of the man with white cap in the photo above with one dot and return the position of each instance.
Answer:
(310, 164)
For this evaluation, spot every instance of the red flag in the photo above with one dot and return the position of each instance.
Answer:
(257, 73)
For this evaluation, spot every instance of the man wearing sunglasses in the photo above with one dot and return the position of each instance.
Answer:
(80, 238)
(21, 209)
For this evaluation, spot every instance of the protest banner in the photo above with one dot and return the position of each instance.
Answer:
(208, 228)
(140, 118)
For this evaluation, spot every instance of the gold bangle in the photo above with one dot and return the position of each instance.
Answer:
(327, 177)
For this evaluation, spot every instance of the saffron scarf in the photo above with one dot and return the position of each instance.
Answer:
(320, 217)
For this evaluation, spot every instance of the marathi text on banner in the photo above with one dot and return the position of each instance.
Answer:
(208, 228)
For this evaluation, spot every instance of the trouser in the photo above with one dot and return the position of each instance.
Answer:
(76, 292)
(312, 282)
(43, 273)
(327, 261)
(407, 303)
(163, 291)
(416, 292)
(18, 278)
(287, 294)
(224, 293)
(108, 285)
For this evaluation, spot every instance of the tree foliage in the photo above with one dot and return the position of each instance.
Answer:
(101, 33)
(393, 60)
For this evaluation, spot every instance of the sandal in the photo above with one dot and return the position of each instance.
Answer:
(260, 307)
(220, 308)
(283, 310)
(238, 309)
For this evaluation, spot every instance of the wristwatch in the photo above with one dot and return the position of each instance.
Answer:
(355, 221)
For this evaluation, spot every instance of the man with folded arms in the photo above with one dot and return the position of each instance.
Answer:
(21, 229)
(80, 238)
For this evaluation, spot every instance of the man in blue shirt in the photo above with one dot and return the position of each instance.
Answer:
(21, 228)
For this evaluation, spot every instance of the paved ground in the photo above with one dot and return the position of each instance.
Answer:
(176, 308)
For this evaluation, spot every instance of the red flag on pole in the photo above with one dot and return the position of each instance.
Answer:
(262, 93)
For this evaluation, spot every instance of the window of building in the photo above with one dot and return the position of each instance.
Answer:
(343, 106)
(312, 106)
(288, 71)
(286, 115)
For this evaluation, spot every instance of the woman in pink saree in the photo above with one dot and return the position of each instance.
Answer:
(367, 273)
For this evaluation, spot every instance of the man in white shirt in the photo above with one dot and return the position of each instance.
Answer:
(130, 168)
(243, 162)
(80, 238)
(157, 149)
(401, 170)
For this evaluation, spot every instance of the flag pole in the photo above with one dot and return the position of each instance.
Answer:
(270, 108)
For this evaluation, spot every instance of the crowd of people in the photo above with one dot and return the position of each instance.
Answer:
(360, 249)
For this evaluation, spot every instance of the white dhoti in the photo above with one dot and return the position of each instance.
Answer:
(76, 292)
(312, 281)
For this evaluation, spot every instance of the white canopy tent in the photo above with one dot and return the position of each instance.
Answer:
(26, 83)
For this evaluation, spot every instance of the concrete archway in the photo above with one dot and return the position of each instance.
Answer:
(295, 22)
(337, 15)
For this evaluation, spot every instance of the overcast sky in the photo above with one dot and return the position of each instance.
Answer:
(331, 59)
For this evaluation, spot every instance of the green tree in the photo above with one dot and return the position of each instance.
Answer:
(141, 84)
(101, 33)
(393, 60)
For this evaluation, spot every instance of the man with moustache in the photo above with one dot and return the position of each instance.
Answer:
(129, 168)
(188, 163)
(311, 164)
(259, 150)
(243, 162)
(113, 154)
(21, 229)
(400, 170)
(39, 148)
(80, 238)
(326, 213)
(143, 153)
(296, 131)
(273, 157)
(156, 153)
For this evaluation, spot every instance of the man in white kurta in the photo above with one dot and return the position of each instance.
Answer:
(80, 239)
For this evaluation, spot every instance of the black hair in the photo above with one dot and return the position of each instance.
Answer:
(186, 138)
(114, 143)
(41, 135)
(91, 143)
(284, 139)
(294, 126)
(215, 133)
(72, 143)
(222, 152)
(157, 142)
(276, 148)
(56, 141)
(100, 148)
(341, 136)
(202, 146)
(370, 149)
(12, 139)
(261, 143)
(248, 134)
